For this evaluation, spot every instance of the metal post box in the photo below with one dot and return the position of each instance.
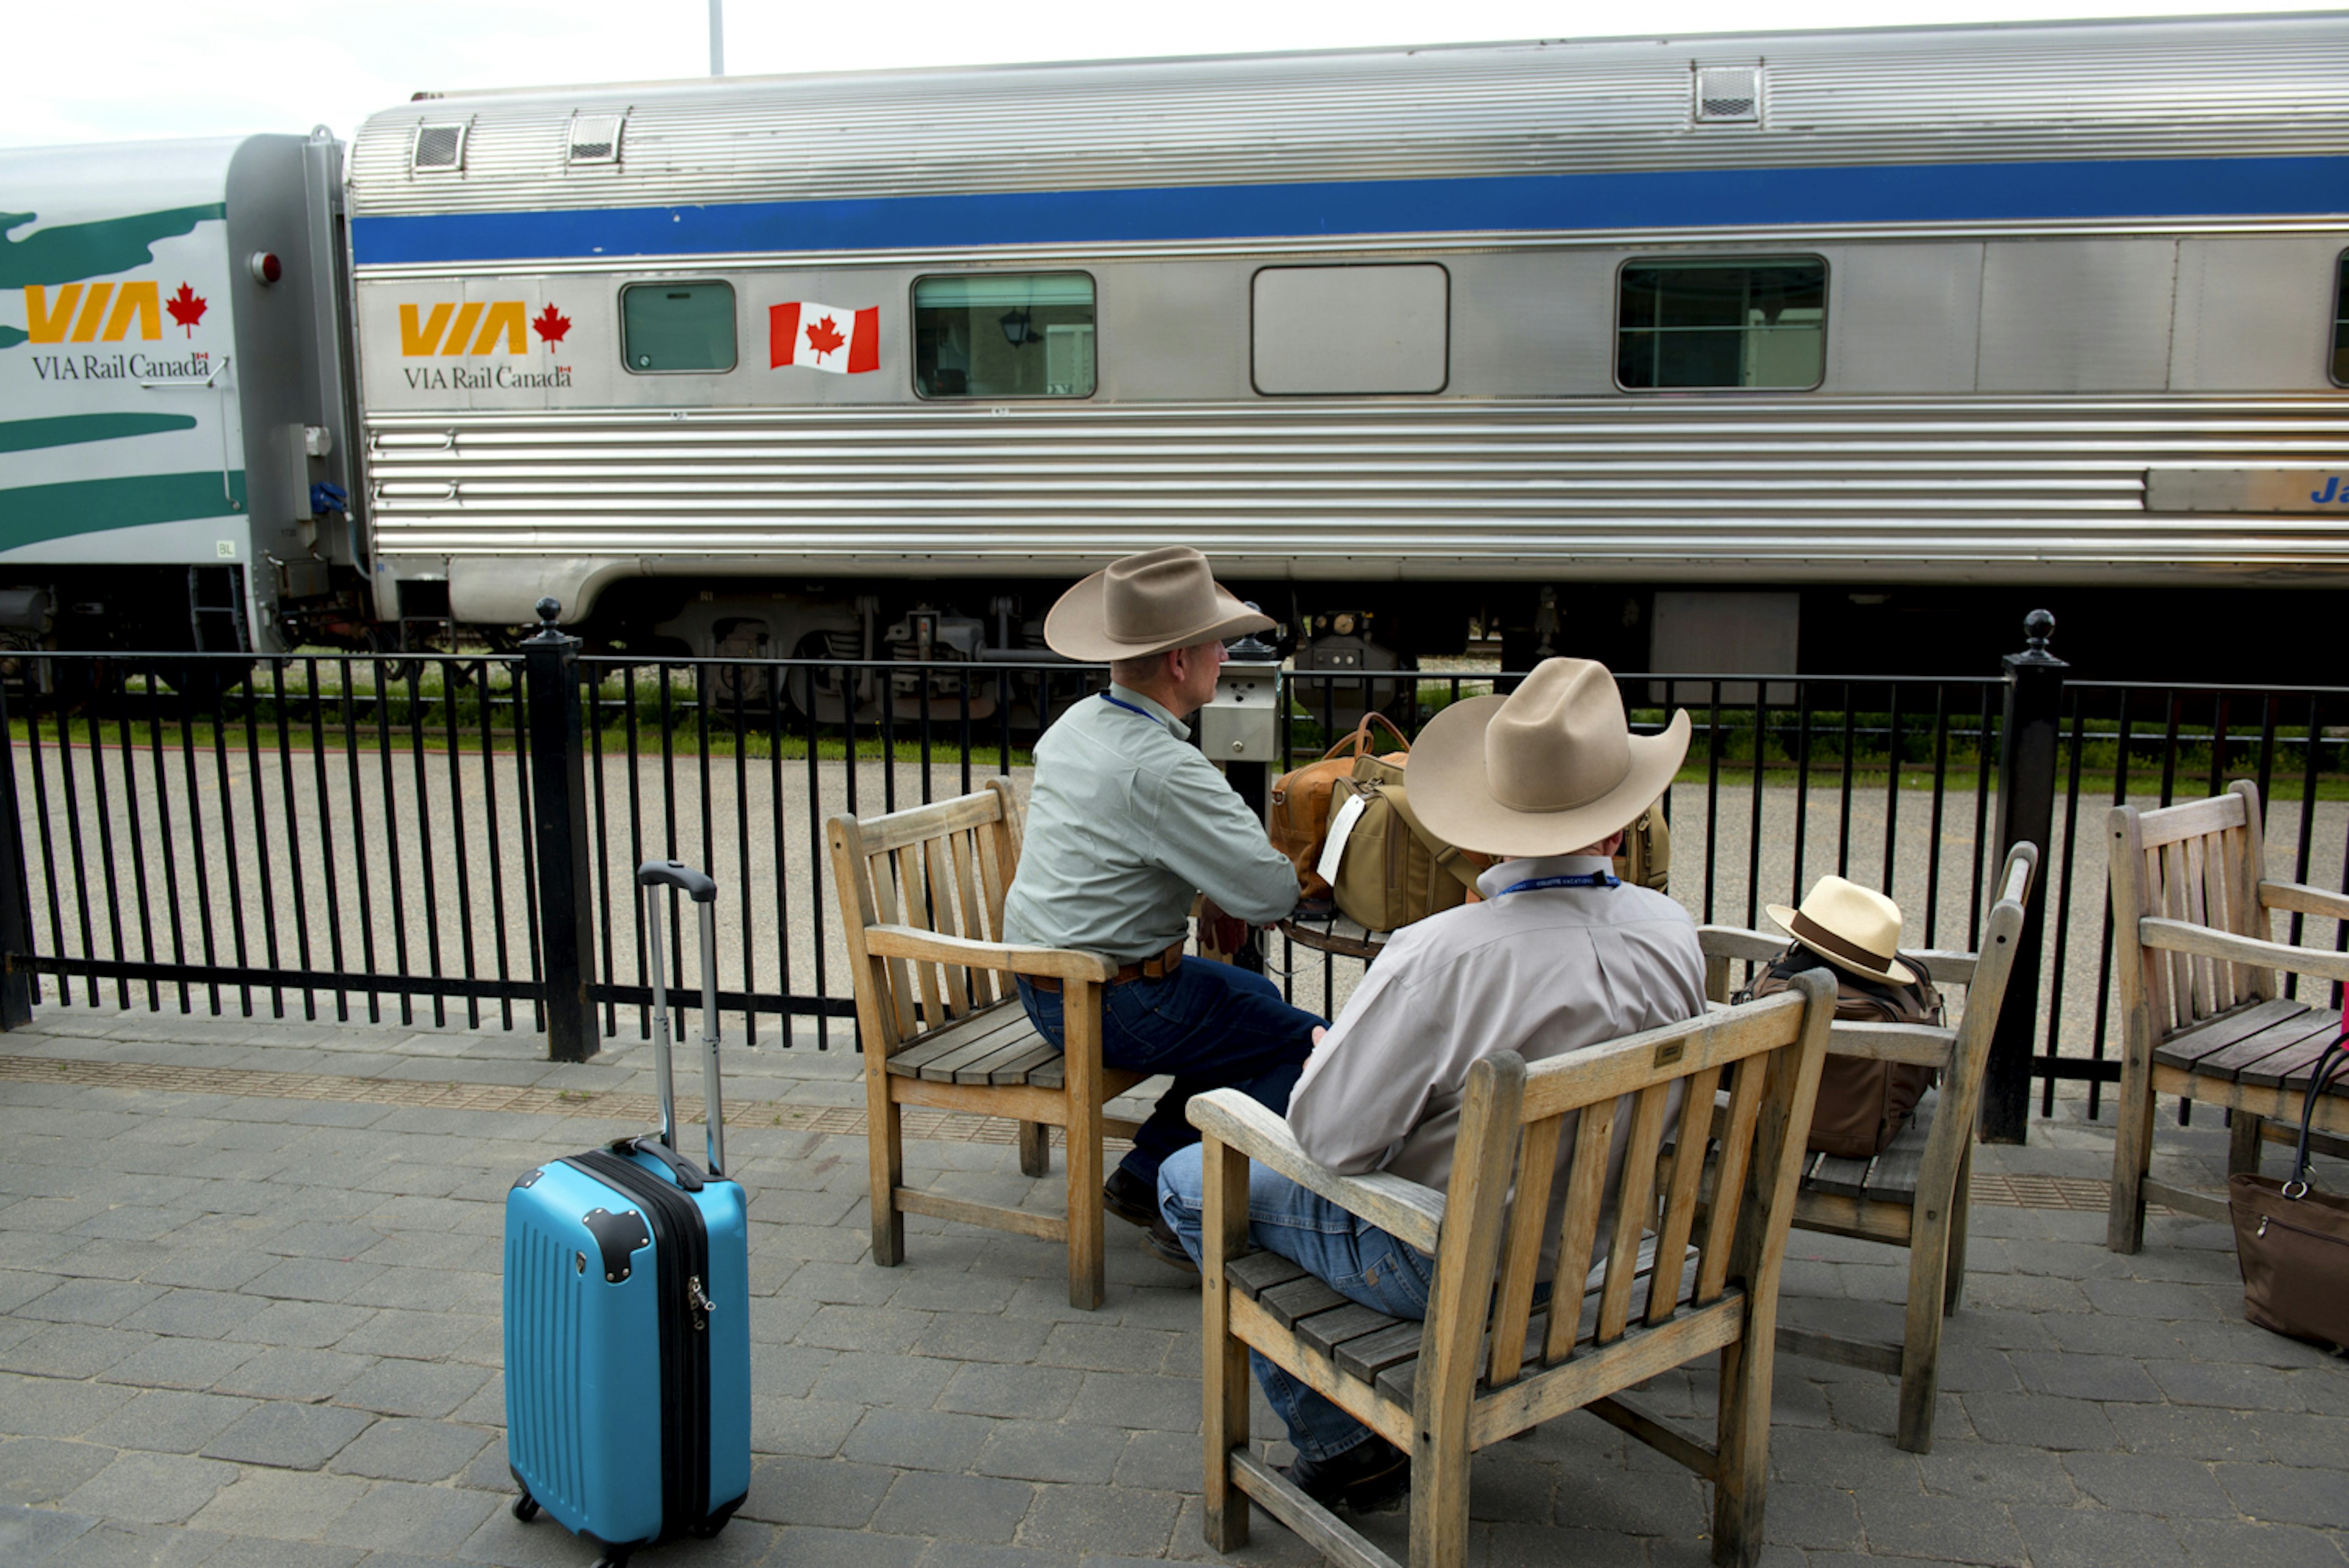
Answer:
(1242, 723)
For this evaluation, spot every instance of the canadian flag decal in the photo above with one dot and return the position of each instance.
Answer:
(823, 337)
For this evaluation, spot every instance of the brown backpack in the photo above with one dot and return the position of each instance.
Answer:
(1298, 817)
(1863, 1104)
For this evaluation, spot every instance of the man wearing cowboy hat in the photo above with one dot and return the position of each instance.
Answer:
(1126, 825)
(1557, 956)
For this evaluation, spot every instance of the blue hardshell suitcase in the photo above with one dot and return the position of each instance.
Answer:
(628, 1305)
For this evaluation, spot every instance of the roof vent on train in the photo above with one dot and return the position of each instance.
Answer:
(595, 138)
(439, 149)
(1730, 93)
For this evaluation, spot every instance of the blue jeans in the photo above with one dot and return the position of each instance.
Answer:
(1356, 1259)
(1211, 1025)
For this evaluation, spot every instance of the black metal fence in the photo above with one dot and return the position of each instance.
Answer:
(452, 838)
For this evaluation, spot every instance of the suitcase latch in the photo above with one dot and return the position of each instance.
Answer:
(702, 1302)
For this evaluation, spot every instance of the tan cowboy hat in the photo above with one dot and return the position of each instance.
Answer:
(1549, 768)
(1147, 603)
(1851, 926)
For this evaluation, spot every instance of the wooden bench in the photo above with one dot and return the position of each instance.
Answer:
(2203, 1012)
(1915, 1194)
(938, 1017)
(1493, 1360)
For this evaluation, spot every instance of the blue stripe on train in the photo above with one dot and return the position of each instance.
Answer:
(1896, 193)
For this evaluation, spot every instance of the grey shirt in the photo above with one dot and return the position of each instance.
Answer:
(1126, 824)
(1542, 972)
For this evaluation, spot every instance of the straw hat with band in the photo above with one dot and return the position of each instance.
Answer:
(1855, 928)
(1551, 768)
(1147, 603)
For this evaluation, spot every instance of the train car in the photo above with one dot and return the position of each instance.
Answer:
(1760, 352)
(175, 413)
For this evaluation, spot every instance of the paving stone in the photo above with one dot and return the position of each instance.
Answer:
(1639, 1502)
(911, 1440)
(1049, 1451)
(282, 1505)
(847, 1549)
(1815, 1518)
(2237, 1544)
(311, 1325)
(1945, 1529)
(2157, 1299)
(1023, 1393)
(55, 1406)
(293, 1436)
(407, 1450)
(396, 1387)
(1091, 1348)
(970, 1555)
(43, 1469)
(2041, 1421)
(1101, 1519)
(868, 1378)
(2150, 1483)
(168, 1422)
(426, 1519)
(1137, 1401)
(2188, 1432)
(956, 1507)
(150, 1489)
(1994, 1473)
(813, 1429)
(2282, 1494)
(1537, 1546)
(29, 1535)
(2094, 1538)
(2072, 1376)
(72, 1350)
(878, 1329)
(126, 1545)
(310, 1280)
(180, 1363)
(2231, 1387)
(831, 1493)
(963, 1336)
(303, 1375)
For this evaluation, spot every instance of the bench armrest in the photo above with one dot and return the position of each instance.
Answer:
(1403, 1210)
(1926, 1045)
(929, 947)
(2202, 941)
(2302, 899)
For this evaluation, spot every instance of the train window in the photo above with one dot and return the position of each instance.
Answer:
(1340, 329)
(1748, 322)
(2341, 325)
(676, 327)
(1004, 335)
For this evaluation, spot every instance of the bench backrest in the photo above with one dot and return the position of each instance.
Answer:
(942, 868)
(1766, 1054)
(2200, 862)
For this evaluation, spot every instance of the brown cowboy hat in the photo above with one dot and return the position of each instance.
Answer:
(1548, 769)
(1852, 927)
(1147, 603)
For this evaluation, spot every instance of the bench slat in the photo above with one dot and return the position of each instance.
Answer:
(2217, 1044)
(1021, 1046)
(1298, 1298)
(1838, 1175)
(973, 1031)
(1893, 1178)
(1252, 1274)
(2281, 1067)
(1025, 1065)
(1372, 1354)
(1326, 1331)
(2232, 1065)
(948, 1068)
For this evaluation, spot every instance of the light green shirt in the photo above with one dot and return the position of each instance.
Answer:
(1126, 824)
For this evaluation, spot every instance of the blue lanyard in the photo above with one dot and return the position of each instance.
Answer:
(1122, 702)
(1581, 879)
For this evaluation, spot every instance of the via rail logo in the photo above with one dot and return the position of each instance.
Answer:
(479, 327)
(108, 312)
(2333, 493)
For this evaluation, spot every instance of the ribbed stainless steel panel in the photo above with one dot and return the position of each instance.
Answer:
(1755, 488)
(2215, 87)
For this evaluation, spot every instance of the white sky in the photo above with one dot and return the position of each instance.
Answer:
(111, 70)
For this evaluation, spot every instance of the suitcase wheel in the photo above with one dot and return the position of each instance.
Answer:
(525, 1507)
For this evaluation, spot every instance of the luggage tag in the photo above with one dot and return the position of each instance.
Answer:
(1341, 826)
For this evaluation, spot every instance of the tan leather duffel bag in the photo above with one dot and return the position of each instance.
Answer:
(1298, 817)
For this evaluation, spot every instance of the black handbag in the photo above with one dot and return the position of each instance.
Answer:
(2293, 1240)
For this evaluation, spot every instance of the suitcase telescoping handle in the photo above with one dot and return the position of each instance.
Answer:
(653, 876)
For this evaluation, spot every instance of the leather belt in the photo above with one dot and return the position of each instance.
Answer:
(1158, 965)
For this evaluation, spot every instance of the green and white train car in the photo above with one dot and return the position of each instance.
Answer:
(172, 396)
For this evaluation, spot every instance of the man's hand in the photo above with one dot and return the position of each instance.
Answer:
(1225, 933)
